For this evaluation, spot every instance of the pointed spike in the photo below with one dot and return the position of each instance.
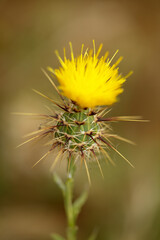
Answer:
(29, 114)
(103, 140)
(35, 115)
(121, 138)
(97, 162)
(38, 131)
(29, 140)
(34, 132)
(49, 142)
(42, 95)
(56, 160)
(104, 112)
(122, 118)
(108, 156)
(123, 157)
(45, 155)
(50, 110)
(87, 170)
(53, 84)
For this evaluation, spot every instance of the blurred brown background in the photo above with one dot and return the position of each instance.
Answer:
(126, 205)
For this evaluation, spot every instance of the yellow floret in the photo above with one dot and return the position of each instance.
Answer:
(88, 80)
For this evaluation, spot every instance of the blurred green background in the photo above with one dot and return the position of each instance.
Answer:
(124, 206)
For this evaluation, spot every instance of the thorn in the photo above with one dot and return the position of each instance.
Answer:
(41, 130)
(122, 118)
(88, 174)
(103, 140)
(56, 159)
(108, 156)
(29, 140)
(53, 84)
(97, 162)
(35, 114)
(42, 95)
(121, 138)
(45, 155)
(83, 159)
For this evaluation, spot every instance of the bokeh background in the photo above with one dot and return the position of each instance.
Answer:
(126, 204)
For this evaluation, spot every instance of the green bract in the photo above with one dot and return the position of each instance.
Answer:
(75, 130)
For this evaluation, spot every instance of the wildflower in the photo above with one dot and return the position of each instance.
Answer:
(88, 84)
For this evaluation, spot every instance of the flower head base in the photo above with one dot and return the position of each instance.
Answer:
(74, 131)
(89, 80)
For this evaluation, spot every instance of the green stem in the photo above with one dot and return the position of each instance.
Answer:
(72, 209)
(68, 200)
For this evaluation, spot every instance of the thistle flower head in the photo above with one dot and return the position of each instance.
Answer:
(89, 80)
(80, 128)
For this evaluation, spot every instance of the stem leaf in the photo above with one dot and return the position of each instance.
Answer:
(79, 202)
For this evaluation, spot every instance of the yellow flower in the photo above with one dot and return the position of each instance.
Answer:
(89, 80)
